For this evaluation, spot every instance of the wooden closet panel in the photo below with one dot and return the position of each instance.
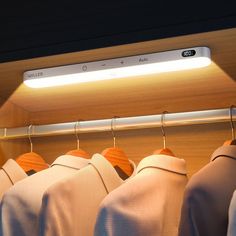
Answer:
(138, 106)
(12, 116)
(13, 148)
(193, 143)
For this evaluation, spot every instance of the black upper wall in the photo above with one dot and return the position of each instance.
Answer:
(39, 28)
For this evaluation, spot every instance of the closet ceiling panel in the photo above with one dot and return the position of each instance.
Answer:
(32, 29)
(207, 88)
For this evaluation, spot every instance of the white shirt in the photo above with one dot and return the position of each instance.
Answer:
(148, 204)
(10, 173)
(21, 204)
(69, 207)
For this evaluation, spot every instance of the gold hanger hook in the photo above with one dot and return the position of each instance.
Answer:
(77, 134)
(112, 130)
(29, 131)
(231, 121)
(162, 128)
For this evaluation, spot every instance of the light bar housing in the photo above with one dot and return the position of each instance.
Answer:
(160, 62)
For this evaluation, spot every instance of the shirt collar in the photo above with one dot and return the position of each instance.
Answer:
(227, 151)
(13, 171)
(71, 162)
(134, 169)
(107, 173)
(163, 162)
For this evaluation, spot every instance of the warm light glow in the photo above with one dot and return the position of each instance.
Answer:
(71, 77)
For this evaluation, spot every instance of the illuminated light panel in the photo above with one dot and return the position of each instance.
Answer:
(154, 63)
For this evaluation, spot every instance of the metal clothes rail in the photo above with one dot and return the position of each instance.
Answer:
(137, 122)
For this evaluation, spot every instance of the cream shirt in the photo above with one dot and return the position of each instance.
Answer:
(10, 173)
(21, 204)
(69, 207)
(148, 204)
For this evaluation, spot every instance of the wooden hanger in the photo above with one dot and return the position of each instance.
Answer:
(233, 140)
(31, 162)
(164, 150)
(117, 157)
(78, 152)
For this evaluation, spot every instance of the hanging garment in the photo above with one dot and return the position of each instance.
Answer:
(232, 216)
(208, 194)
(10, 173)
(21, 204)
(70, 206)
(149, 203)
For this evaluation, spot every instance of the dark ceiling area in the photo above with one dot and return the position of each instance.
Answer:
(32, 29)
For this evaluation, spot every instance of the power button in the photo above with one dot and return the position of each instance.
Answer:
(84, 68)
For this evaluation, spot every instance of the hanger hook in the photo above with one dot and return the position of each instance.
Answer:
(77, 134)
(29, 137)
(231, 121)
(162, 128)
(112, 130)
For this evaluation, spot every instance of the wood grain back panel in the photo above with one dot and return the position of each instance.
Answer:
(12, 116)
(193, 143)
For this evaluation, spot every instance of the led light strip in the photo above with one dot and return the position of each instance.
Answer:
(160, 62)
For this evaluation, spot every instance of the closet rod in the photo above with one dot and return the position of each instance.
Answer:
(137, 122)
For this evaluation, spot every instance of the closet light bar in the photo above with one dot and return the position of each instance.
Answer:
(175, 60)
